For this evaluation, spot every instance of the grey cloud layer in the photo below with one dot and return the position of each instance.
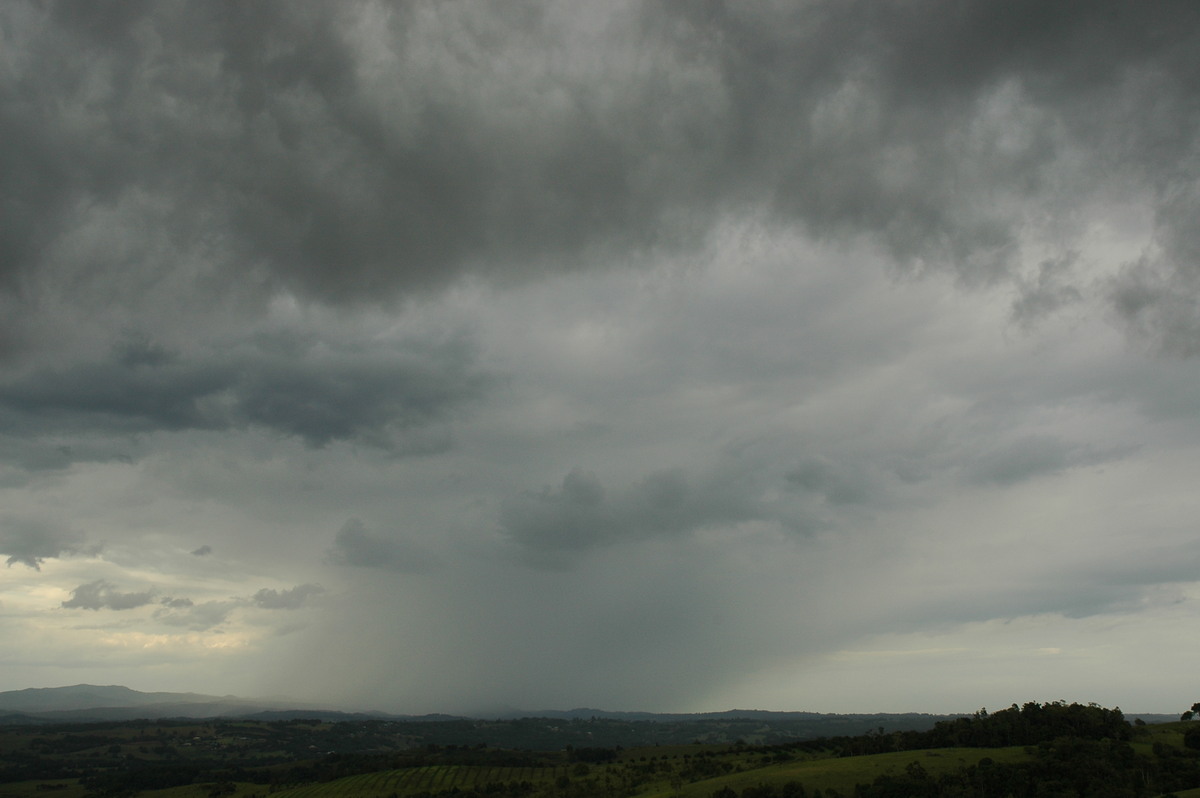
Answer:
(275, 144)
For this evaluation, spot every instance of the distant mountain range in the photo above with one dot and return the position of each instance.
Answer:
(90, 696)
(87, 702)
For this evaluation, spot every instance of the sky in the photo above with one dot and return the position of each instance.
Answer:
(674, 356)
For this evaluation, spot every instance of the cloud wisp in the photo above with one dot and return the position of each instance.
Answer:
(100, 594)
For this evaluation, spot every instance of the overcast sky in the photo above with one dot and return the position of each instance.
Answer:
(836, 356)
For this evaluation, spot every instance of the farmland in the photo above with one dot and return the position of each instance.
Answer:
(1050, 750)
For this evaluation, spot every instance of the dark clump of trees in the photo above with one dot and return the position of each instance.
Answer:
(597, 755)
(1030, 724)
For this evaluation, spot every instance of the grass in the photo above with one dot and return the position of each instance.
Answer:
(70, 788)
(842, 773)
(431, 778)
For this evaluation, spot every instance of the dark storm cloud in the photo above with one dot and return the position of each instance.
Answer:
(32, 542)
(203, 551)
(291, 599)
(353, 151)
(359, 547)
(315, 390)
(264, 144)
(580, 514)
(100, 595)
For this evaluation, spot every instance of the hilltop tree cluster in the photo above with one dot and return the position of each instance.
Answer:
(1030, 724)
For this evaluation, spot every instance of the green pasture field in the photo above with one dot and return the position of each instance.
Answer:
(842, 773)
(62, 788)
(73, 789)
(1144, 737)
(241, 790)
